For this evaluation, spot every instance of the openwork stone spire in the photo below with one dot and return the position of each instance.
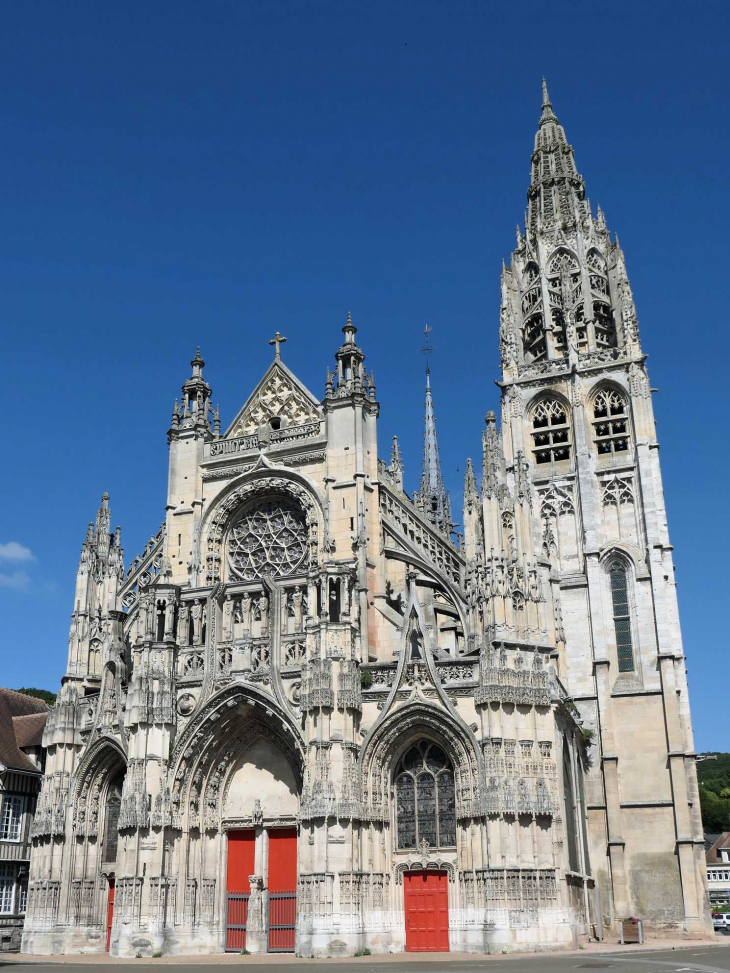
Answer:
(432, 498)
(557, 191)
(566, 294)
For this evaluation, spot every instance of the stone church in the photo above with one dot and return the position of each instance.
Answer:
(309, 717)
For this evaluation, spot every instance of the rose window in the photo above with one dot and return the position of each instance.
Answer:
(271, 538)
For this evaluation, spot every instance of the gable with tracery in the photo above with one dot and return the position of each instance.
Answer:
(279, 401)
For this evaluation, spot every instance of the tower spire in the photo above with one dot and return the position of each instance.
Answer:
(432, 497)
(557, 192)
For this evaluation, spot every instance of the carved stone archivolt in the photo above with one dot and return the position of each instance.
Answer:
(420, 862)
(213, 744)
(404, 726)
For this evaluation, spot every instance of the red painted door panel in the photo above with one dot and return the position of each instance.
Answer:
(282, 889)
(427, 911)
(241, 849)
(241, 857)
(109, 914)
(283, 860)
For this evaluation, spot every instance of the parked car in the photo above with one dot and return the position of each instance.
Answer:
(721, 920)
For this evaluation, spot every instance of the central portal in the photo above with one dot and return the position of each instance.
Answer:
(281, 867)
(427, 911)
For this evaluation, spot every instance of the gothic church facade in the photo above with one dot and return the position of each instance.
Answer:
(305, 718)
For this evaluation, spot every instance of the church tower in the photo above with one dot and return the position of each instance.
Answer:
(577, 412)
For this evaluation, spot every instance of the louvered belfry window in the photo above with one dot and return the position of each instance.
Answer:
(550, 432)
(622, 617)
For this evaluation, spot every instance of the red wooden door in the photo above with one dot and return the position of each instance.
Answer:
(109, 914)
(427, 911)
(282, 889)
(241, 857)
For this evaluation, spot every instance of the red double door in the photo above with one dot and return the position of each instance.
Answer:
(427, 911)
(282, 887)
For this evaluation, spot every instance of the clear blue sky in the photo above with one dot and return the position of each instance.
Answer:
(183, 173)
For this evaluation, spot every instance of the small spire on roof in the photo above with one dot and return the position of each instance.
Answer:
(545, 95)
(197, 364)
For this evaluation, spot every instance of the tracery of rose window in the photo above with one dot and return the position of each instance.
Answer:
(425, 798)
(270, 538)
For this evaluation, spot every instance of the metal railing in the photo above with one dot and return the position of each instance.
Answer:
(236, 916)
(282, 921)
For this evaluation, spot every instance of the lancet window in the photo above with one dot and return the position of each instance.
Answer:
(425, 798)
(570, 811)
(550, 432)
(610, 422)
(566, 301)
(618, 575)
(533, 338)
(111, 819)
(270, 538)
(534, 344)
(604, 324)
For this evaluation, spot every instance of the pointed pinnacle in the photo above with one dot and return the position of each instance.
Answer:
(545, 96)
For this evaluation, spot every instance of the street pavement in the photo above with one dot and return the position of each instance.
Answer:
(710, 958)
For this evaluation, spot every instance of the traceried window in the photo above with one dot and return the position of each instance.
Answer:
(550, 432)
(111, 819)
(7, 887)
(610, 422)
(566, 298)
(603, 320)
(570, 811)
(618, 575)
(425, 798)
(11, 818)
(271, 538)
(533, 338)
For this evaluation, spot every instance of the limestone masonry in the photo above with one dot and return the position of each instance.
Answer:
(304, 718)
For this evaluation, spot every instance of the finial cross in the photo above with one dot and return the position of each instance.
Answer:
(277, 340)
(428, 348)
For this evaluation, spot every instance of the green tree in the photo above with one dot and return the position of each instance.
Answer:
(715, 811)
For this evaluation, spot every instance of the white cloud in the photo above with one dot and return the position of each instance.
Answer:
(17, 581)
(13, 551)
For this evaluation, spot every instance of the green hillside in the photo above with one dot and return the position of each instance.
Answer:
(713, 777)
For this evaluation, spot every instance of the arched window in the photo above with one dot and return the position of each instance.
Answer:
(610, 422)
(550, 432)
(566, 298)
(618, 575)
(111, 819)
(570, 810)
(425, 798)
(533, 338)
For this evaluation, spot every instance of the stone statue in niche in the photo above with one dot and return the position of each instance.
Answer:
(226, 624)
(183, 624)
(246, 612)
(297, 599)
(262, 607)
(197, 615)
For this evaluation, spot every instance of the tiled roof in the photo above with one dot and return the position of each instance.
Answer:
(723, 841)
(22, 719)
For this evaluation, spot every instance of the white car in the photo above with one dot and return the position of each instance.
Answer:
(721, 920)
